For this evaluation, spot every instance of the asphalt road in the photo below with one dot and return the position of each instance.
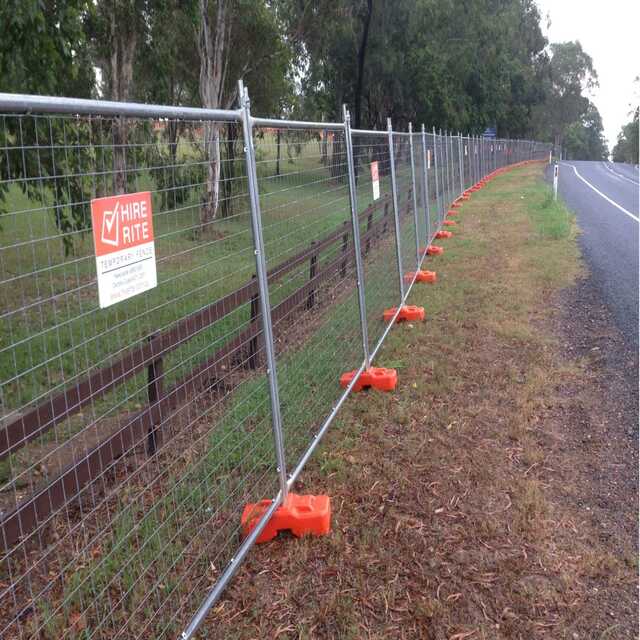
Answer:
(604, 196)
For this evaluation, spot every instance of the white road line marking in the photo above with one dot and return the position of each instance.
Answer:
(619, 175)
(607, 198)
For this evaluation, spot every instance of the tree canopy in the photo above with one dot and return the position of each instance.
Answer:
(459, 65)
(628, 144)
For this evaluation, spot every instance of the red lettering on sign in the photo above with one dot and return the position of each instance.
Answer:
(121, 222)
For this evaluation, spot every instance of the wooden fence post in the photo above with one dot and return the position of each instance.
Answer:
(155, 386)
(313, 265)
(253, 360)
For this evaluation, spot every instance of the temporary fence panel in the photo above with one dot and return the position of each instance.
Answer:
(126, 464)
(422, 197)
(303, 183)
(404, 169)
(378, 231)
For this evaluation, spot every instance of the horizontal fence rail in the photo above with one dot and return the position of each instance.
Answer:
(132, 435)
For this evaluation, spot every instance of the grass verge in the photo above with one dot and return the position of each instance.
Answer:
(460, 503)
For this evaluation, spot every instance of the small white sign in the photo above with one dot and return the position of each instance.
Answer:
(375, 180)
(428, 158)
(124, 245)
(465, 150)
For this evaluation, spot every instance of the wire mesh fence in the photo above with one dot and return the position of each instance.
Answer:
(133, 435)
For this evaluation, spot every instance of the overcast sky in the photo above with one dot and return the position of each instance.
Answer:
(608, 32)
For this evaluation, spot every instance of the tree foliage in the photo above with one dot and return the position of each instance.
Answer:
(628, 144)
(584, 139)
(456, 64)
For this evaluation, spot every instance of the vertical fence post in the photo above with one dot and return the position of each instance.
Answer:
(263, 288)
(435, 170)
(455, 166)
(253, 361)
(415, 200)
(474, 160)
(396, 212)
(355, 223)
(425, 185)
(345, 248)
(443, 157)
(453, 169)
(155, 390)
(447, 187)
(461, 159)
(313, 268)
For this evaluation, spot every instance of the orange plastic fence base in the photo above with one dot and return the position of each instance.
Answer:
(443, 234)
(452, 212)
(298, 514)
(375, 378)
(449, 223)
(422, 276)
(434, 250)
(408, 312)
(456, 205)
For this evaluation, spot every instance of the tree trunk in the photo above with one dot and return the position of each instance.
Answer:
(323, 146)
(211, 195)
(362, 52)
(228, 170)
(123, 46)
(212, 47)
(336, 168)
(278, 150)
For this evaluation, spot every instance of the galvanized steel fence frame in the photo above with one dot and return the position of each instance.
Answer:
(435, 168)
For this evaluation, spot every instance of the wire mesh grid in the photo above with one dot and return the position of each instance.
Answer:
(131, 436)
(377, 229)
(306, 217)
(404, 158)
(423, 206)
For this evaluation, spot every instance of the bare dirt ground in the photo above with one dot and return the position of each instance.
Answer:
(494, 495)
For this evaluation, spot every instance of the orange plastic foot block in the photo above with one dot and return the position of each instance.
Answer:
(452, 212)
(449, 223)
(443, 234)
(434, 250)
(299, 514)
(408, 312)
(375, 378)
(426, 276)
(456, 205)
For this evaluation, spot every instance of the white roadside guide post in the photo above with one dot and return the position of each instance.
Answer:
(555, 181)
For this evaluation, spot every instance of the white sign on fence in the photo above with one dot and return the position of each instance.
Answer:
(375, 180)
(124, 245)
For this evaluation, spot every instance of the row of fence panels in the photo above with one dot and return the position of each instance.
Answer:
(132, 435)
